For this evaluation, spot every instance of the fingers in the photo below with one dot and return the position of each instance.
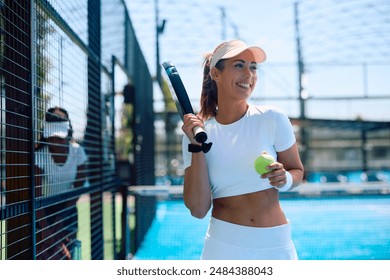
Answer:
(192, 118)
(189, 122)
(66, 251)
(277, 175)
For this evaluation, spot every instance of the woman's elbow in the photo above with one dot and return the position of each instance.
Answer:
(198, 211)
(198, 214)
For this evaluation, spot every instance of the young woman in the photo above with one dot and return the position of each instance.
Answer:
(60, 167)
(247, 220)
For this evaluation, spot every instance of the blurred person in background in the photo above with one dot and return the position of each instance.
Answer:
(60, 167)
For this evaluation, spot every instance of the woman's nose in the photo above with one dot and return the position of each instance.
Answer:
(247, 72)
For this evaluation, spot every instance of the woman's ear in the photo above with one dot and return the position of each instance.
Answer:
(214, 73)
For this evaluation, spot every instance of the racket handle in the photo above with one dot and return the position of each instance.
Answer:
(199, 134)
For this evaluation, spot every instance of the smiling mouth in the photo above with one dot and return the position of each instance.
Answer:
(244, 85)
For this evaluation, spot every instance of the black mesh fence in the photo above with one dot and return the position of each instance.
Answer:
(60, 194)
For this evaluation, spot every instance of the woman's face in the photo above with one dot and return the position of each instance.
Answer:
(239, 76)
(57, 141)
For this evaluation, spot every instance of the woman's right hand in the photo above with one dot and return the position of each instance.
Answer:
(189, 122)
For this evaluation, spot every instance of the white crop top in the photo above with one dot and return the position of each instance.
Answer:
(236, 146)
(59, 177)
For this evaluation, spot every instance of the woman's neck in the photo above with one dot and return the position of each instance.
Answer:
(231, 113)
(59, 153)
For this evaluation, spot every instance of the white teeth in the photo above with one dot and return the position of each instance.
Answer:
(244, 85)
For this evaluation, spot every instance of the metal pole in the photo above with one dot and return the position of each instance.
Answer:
(300, 64)
(33, 22)
(158, 72)
(365, 80)
(301, 97)
(223, 24)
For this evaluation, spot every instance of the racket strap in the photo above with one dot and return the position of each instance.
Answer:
(196, 148)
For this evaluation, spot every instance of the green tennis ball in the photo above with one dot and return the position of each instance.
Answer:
(262, 162)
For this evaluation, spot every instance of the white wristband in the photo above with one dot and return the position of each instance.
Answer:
(288, 185)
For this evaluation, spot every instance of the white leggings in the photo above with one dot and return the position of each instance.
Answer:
(227, 241)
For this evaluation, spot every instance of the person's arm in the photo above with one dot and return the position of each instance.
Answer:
(82, 167)
(196, 191)
(41, 213)
(38, 181)
(292, 163)
(288, 161)
(81, 176)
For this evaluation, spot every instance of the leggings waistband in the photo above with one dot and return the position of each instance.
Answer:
(249, 237)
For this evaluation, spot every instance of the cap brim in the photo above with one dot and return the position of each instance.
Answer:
(233, 48)
(257, 52)
(55, 129)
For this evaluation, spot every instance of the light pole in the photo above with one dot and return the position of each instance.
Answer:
(159, 30)
(169, 128)
(301, 94)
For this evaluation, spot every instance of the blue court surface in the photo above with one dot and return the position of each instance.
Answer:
(341, 228)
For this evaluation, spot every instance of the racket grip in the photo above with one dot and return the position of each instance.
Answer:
(199, 134)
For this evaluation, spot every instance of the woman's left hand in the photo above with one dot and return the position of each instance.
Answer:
(276, 175)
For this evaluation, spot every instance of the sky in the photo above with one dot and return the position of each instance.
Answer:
(345, 48)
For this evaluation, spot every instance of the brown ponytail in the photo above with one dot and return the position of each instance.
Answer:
(209, 95)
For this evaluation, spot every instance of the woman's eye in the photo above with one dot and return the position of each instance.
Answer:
(254, 67)
(239, 65)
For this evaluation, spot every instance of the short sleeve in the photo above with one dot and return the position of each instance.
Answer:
(187, 156)
(284, 132)
(81, 156)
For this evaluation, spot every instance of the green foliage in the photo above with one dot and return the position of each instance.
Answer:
(169, 102)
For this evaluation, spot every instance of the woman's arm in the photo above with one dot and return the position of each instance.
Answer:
(197, 192)
(81, 176)
(290, 161)
(41, 213)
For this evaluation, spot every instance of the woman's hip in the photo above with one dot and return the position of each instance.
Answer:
(225, 240)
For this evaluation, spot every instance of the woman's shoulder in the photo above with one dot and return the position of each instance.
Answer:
(209, 121)
(78, 151)
(76, 147)
(265, 110)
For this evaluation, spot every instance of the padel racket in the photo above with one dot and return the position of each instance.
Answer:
(180, 96)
